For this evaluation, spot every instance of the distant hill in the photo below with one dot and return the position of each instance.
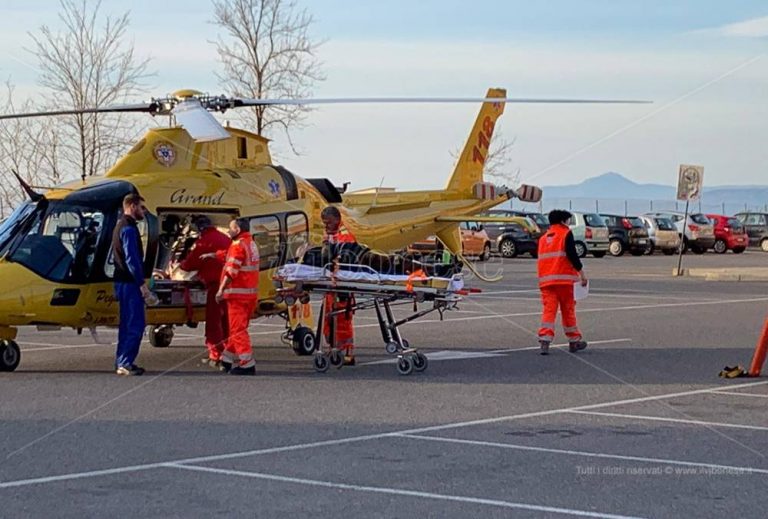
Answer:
(615, 186)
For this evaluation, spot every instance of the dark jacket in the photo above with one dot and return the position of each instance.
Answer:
(128, 252)
(572, 253)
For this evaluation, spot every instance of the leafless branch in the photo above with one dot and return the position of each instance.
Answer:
(266, 51)
(88, 62)
(497, 163)
(28, 146)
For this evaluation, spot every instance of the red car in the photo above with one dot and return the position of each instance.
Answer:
(730, 234)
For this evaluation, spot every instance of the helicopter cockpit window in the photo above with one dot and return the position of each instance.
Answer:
(298, 235)
(266, 234)
(62, 242)
(11, 225)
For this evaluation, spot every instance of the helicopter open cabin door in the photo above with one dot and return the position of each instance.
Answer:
(297, 243)
(181, 294)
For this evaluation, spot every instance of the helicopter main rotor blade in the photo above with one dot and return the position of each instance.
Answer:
(144, 107)
(198, 122)
(386, 100)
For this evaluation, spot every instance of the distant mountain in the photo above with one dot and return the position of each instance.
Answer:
(615, 186)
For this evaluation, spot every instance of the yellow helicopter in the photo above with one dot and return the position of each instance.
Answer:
(56, 262)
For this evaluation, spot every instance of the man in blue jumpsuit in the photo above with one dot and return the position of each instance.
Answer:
(130, 288)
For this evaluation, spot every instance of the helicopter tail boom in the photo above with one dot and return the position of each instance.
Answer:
(469, 168)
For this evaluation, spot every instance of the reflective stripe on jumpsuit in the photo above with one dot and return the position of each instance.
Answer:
(556, 279)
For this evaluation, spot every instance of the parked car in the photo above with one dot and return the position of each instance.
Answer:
(590, 234)
(663, 235)
(730, 234)
(757, 228)
(528, 220)
(539, 219)
(516, 240)
(626, 234)
(474, 242)
(494, 229)
(697, 232)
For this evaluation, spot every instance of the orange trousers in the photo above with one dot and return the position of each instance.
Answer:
(345, 331)
(552, 298)
(216, 324)
(238, 350)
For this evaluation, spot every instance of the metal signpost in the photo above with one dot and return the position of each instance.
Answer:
(690, 180)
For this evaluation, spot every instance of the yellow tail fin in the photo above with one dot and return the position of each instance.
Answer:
(469, 168)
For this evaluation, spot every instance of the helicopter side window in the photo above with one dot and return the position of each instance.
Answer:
(61, 245)
(266, 235)
(298, 236)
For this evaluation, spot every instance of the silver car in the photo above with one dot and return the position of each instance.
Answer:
(590, 234)
(663, 234)
(697, 231)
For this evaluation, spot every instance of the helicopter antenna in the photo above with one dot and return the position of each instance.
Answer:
(33, 195)
(376, 195)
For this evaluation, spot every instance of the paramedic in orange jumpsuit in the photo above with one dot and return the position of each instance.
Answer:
(559, 268)
(336, 234)
(239, 287)
(209, 269)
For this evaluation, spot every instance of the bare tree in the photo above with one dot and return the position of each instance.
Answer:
(497, 162)
(29, 147)
(267, 52)
(89, 63)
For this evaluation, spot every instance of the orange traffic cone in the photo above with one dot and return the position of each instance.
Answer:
(758, 359)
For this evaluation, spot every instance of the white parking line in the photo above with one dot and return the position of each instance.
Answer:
(353, 439)
(401, 492)
(673, 420)
(480, 354)
(740, 394)
(643, 459)
(530, 348)
(70, 347)
(592, 310)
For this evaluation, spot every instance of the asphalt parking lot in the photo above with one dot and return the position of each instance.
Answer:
(637, 425)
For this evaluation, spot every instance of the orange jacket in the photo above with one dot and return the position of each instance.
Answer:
(242, 267)
(553, 264)
(343, 235)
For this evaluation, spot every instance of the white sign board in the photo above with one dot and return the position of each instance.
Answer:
(690, 182)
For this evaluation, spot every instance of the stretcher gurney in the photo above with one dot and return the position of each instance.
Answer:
(367, 289)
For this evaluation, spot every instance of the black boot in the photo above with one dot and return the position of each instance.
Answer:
(237, 370)
(575, 346)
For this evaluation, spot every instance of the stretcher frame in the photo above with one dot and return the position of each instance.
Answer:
(380, 296)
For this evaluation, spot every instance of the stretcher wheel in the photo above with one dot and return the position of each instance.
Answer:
(290, 300)
(303, 341)
(161, 336)
(337, 359)
(406, 344)
(419, 362)
(392, 347)
(304, 299)
(321, 363)
(10, 355)
(404, 366)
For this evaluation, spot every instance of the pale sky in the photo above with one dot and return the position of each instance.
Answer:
(701, 62)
